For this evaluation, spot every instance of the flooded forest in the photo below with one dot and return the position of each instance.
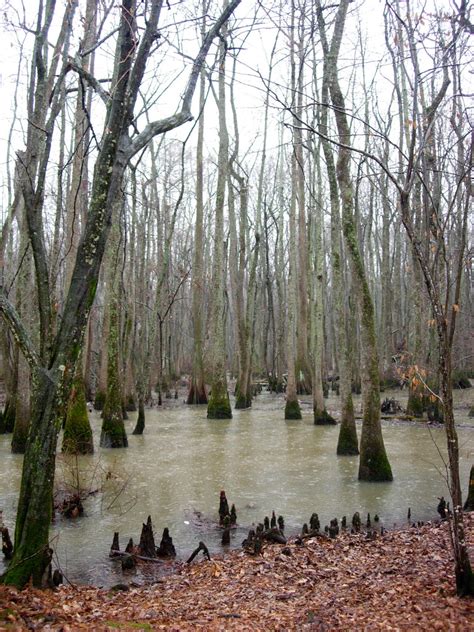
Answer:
(235, 254)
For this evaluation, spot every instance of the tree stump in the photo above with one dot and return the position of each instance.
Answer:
(233, 515)
(273, 521)
(333, 528)
(223, 507)
(281, 523)
(442, 508)
(166, 548)
(115, 548)
(314, 523)
(7, 546)
(147, 540)
(226, 533)
(356, 522)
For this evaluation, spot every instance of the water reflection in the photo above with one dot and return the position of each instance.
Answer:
(264, 464)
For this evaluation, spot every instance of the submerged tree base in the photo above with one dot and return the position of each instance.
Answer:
(140, 425)
(323, 418)
(243, 401)
(99, 400)
(113, 439)
(375, 467)
(218, 407)
(292, 409)
(8, 420)
(347, 444)
(197, 395)
(77, 431)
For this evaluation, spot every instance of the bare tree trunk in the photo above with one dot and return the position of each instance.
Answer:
(373, 464)
(292, 407)
(197, 388)
(347, 442)
(219, 406)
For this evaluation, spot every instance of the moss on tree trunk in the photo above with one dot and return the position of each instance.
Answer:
(77, 437)
(31, 555)
(113, 433)
(347, 443)
(323, 418)
(99, 400)
(218, 406)
(292, 409)
(243, 396)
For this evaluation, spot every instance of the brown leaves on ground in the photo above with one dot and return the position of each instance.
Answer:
(404, 580)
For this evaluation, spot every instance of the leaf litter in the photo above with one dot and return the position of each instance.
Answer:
(403, 580)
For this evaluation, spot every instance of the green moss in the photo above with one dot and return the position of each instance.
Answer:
(292, 409)
(113, 433)
(347, 443)
(323, 418)
(374, 465)
(218, 406)
(77, 437)
(99, 400)
(242, 399)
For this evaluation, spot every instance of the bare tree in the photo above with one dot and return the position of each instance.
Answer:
(53, 366)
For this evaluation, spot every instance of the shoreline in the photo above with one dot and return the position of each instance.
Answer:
(401, 580)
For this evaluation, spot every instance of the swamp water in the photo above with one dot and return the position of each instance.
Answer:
(183, 460)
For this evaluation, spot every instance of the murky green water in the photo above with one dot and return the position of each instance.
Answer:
(262, 462)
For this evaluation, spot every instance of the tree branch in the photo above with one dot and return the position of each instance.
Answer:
(17, 329)
(184, 115)
(90, 79)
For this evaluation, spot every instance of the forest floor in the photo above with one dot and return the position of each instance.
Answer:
(402, 580)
